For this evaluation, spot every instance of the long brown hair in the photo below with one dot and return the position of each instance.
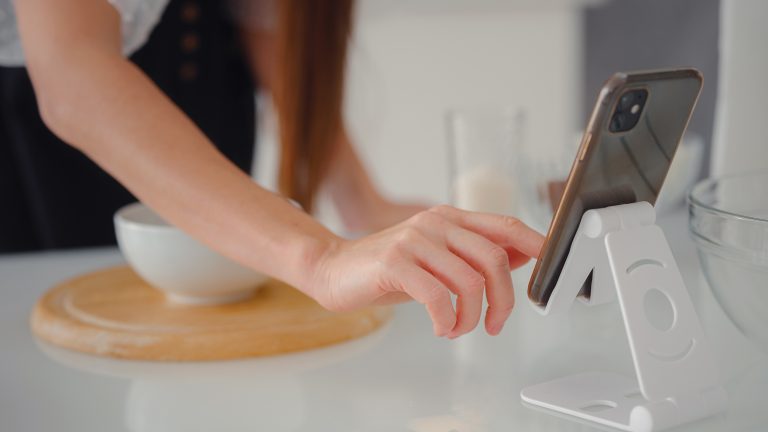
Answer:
(311, 51)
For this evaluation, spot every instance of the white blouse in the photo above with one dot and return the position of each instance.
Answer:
(138, 19)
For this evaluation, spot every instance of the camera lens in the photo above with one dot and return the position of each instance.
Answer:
(617, 124)
(631, 98)
(629, 108)
(626, 101)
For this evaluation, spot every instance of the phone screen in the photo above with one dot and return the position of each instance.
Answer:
(632, 137)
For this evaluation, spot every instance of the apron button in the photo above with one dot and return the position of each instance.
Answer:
(188, 71)
(190, 13)
(190, 42)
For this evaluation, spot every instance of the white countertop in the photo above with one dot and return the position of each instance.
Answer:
(401, 378)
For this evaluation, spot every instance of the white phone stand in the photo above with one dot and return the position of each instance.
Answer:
(629, 258)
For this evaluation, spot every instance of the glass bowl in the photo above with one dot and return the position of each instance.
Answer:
(729, 224)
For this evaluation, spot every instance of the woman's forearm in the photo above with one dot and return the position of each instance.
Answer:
(105, 106)
(351, 189)
(159, 154)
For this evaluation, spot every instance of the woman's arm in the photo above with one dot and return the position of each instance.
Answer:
(101, 103)
(94, 99)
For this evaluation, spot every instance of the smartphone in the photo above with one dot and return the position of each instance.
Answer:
(624, 156)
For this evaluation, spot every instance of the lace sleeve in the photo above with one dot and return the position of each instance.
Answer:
(138, 19)
(10, 47)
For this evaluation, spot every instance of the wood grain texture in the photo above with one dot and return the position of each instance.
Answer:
(114, 313)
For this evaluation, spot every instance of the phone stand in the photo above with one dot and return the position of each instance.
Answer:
(629, 258)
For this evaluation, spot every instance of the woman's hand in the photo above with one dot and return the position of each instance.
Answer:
(427, 258)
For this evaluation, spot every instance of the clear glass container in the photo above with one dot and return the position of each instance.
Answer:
(729, 224)
(483, 145)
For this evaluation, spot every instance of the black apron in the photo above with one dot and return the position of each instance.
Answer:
(52, 196)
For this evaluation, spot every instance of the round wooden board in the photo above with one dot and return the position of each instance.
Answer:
(114, 313)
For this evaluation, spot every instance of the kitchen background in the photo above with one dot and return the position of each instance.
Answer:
(411, 61)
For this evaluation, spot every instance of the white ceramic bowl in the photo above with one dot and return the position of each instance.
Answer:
(175, 263)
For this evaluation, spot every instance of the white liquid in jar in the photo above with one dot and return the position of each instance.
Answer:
(486, 189)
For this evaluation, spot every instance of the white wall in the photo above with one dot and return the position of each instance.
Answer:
(741, 122)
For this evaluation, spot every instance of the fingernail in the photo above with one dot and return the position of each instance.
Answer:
(496, 329)
(500, 328)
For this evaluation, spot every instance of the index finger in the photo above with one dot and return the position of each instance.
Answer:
(505, 231)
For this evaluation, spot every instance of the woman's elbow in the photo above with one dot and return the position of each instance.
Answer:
(58, 113)
(67, 96)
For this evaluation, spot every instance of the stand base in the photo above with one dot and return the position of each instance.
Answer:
(614, 400)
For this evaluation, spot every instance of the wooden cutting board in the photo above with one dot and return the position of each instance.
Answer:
(114, 313)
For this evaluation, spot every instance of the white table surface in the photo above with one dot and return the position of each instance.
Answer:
(400, 379)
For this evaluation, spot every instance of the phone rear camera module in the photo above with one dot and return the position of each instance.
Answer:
(628, 110)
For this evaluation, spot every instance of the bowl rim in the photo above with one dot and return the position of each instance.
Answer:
(693, 201)
(121, 220)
